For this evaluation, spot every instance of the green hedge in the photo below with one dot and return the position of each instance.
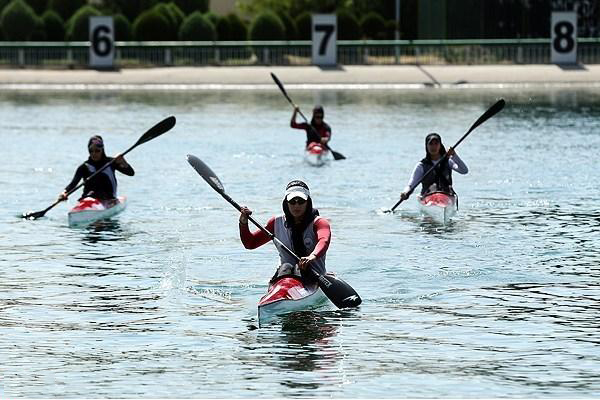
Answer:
(66, 8)
(304, 26)
(18, 21)
(373, 26)
(223, 29)
(291, 31)
(173, 15)
(348, 27)
(267, 26)
(122, 27)
(39, 6)
(54, 26)
(238, 31)
(134, 8)
(197, 27)
(151, 25)
(78, 26)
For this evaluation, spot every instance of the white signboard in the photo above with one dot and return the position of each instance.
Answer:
(102, 42)
(564, 37)
(324, 38)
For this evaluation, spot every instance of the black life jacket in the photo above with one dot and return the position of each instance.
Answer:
(438, 180)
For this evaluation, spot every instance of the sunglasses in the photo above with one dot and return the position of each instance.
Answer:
(318, 116)
(296, 200)
(93, 150)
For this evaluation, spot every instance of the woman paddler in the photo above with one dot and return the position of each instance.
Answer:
(300, 229)
(318, 131)
(104, 185)
(440, 179)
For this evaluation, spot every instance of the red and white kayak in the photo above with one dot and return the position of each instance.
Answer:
(316, 154)
(89, 209)
(440, 206)
(288, 294)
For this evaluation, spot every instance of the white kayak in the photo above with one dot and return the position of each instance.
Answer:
(89, 209)
(288, 294)
(440, 206)
(316, 154)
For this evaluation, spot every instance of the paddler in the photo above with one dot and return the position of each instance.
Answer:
(300, 229)
(104, 185)
(440, 179)
(318, 131)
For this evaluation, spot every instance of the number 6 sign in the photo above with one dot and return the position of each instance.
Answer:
(102, 47)
(564, 37)
(324, 37)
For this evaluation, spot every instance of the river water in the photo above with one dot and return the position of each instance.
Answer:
(161, 300)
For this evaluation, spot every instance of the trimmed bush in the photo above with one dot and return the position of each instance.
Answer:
(190, 6)
(54, 26)
(304, 26)
(78, 26)
(39, 6)
(173, 15)
(390, 29)
(122, 28)
(18, 21)
(348, 27)
(267, 26)
(291, 32)
(212, 17)
(197, 27)
(133, 8)
(66, 8)
(38, 34)
(238, 30)
(151, 25)
(373, 26)
(223, 29)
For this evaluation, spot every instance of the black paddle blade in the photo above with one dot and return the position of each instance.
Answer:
(278, 82)
(206, 173)
(163, 126)
(33, 214)
(493, 110)
(339, 292)
(337, 156)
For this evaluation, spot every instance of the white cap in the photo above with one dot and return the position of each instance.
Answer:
(297, 191)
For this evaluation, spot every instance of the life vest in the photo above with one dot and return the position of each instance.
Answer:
(438, 180)
(284, 234)
(109, 173)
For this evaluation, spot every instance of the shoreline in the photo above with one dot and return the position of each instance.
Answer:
(309, 77)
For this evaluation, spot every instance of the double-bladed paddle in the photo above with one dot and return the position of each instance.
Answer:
(336, 155)
(493, 110)
(339, 292)
(157, 130)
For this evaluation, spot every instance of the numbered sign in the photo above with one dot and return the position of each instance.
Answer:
(324, 38)
(564, 37)
(102, 42)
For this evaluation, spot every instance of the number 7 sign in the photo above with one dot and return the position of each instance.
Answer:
(324, 38)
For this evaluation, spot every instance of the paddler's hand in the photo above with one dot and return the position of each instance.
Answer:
(304, 262)
(324, 140)
(63, 196)
(244, 213)
(450, 152)
(120, 160)
(404, 196)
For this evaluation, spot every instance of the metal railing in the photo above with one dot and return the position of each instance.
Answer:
(364, 52)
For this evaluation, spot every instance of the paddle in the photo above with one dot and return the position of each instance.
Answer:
(336, 155)
(157, 130)
(339, 292)
(493, 110)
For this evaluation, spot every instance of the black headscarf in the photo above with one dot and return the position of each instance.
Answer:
(434, 135)
(298, 229)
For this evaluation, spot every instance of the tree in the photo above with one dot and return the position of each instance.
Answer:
(18, 21)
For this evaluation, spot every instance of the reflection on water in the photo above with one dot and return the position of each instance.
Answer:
(106, 230)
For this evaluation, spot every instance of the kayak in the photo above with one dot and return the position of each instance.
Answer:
(316, 154)
(89, 209)
(440, 206)
(288, 294)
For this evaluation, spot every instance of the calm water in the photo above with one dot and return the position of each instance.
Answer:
(161, 301)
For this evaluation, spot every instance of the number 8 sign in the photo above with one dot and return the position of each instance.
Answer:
(324, 37)
(102, 47)
(564, 37)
